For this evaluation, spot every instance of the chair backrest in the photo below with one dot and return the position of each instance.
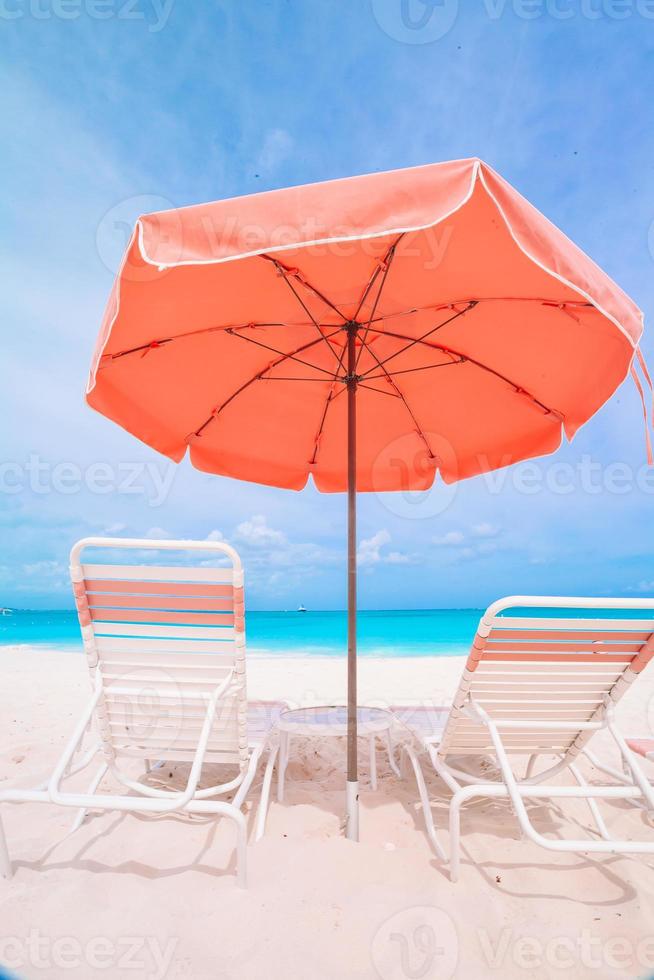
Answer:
(552, 659)
(161, 638)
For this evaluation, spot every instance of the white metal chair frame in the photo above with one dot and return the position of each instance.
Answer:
(205, 702)
(470, 722)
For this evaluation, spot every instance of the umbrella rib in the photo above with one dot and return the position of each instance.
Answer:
(286, 272)
(320, 381)
(161, 342)
(339, 360)
(287, 356)
(390, 255)
(480, 364)
(390, 394)
(395, 386)
(257, 377)
(559, 304)
(424, 367)
(153, 344)
(379, 267)
(330, 398)
(417, 340)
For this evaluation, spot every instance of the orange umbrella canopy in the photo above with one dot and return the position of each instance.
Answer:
(482, 332)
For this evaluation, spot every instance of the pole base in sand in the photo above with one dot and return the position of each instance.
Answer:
(352, 818)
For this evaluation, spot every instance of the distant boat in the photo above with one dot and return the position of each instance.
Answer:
(5, 611)
(301, 608)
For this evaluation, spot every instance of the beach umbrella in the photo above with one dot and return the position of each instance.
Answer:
(369, 333)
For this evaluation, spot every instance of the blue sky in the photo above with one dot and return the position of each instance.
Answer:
(112, 108)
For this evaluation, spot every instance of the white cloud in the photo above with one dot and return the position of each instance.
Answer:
(44, 569)
(114, 528)
(397, 558)
(485, 530)
(643, 586)
(449, 539)
(156, 533)
(258, 534)
(215, 535)
(43, 575)
(369, 550)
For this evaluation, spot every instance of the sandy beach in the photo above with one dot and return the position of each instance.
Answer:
(159, 897)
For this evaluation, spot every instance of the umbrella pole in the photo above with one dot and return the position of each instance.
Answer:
(352, 820)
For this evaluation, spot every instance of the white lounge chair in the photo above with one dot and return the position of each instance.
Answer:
(166, 650)
(539, 682)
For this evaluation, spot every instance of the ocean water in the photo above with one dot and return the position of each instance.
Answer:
(387, 633)
(384, 633)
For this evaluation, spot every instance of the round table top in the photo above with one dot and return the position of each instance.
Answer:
(331, 719)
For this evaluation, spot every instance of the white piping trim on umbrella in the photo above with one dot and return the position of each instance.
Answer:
(316, 241)
(138, 232)
(581, 292)
(555, 275)
(477, 171)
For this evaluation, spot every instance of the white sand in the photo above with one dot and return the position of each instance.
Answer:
(125, 892)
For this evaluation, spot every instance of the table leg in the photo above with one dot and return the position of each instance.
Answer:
(391, 753)
(281, 765)
(373, 763)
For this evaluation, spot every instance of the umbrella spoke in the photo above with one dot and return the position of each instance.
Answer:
(399, 393)
(418, 340)
(466, 358)
(330, 398)
(424, 367)
(559, 304)
(390, 255)
(257, 377)
(161, 342)
(381, 266)
(287, 274)
(379, 391)
(339, 360)
(284, 354)
(270, 377)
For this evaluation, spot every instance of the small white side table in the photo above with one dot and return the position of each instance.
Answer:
(330, 721)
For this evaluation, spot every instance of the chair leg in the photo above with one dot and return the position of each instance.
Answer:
(592, 805)
(455, 832)
(404, 771)
(424, 800)
(391, 753)
(284, 739)
(262, 811)
(241, 852)
(5, 863)
(373, 763)
(82, 812)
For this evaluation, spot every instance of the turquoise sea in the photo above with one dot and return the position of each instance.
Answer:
(387, 633)
(383, 633)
